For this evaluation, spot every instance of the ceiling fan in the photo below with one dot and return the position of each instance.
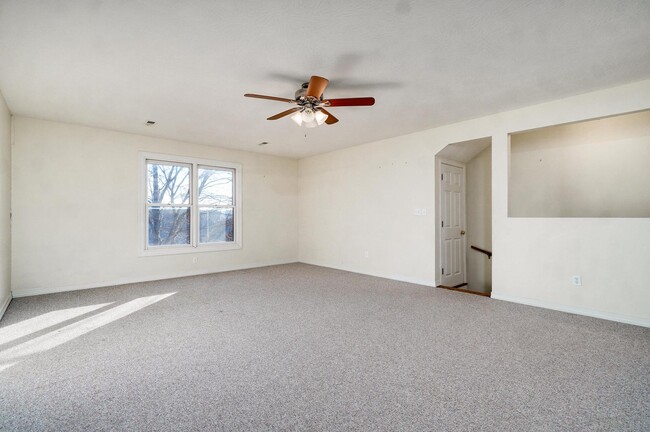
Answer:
(311, 111)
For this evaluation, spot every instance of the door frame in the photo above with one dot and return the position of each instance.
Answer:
(438, 231)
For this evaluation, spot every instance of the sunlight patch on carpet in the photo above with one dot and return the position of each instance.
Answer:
(65, 334)
(32, 325)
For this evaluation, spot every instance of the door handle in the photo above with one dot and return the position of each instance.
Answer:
(462, 232)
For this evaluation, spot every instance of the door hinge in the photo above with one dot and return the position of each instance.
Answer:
(442, 224)
(443, 270)
(442, 177)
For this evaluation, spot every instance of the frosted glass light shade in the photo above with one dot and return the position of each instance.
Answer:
(297, 117)
(320, 117)
(307, 115)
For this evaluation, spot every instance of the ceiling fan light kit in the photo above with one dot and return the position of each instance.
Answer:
(309, 118)
(311, 111)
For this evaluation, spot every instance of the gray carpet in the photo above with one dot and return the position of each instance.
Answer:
(299, 347)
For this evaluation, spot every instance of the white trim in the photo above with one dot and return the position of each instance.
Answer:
(125, 281)
(5, 305)
(398, 278)
(451, 162)
(438, 217)
(184, 249)
(194, 246)
(643, 322)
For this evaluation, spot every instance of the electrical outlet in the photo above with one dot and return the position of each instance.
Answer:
(195, 260)
(365, 254)
(424, 212)
(417, 212)
(576, 280)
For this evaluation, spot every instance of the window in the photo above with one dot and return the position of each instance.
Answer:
(189, 205)
(168, 203)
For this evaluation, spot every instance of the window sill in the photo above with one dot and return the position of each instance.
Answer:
(179, 250)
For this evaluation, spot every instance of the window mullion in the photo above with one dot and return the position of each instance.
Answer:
(194, 200)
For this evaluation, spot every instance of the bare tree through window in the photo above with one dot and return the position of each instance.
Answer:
(169, 203)
(216, 201)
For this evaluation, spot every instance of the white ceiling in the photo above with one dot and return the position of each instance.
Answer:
(186, 64)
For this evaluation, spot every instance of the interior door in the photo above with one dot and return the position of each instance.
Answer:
(452, 206)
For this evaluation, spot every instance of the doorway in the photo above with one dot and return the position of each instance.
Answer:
(452, 223)
(464, 216)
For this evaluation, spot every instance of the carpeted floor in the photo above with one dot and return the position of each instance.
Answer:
(299, 347)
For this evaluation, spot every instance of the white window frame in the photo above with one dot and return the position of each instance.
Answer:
(194, 163)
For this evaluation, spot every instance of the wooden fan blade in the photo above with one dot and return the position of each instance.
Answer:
(284, 113)
(330, 118)
(316, 86)
(360, 101)
(279, 99)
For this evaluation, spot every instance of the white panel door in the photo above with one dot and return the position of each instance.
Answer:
(452, 206)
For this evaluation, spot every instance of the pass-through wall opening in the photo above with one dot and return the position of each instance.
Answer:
(594, 169)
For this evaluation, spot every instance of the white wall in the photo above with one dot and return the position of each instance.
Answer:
(598, 168)
(361, 199)
(75, 204)
(478, 173)
(5, 206)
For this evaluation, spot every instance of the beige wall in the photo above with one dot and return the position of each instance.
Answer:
(75, 203)
(5, 206)
(598, 168)
(361, 199)
(479, 220)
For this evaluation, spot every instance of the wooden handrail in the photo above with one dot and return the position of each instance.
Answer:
(486, 252)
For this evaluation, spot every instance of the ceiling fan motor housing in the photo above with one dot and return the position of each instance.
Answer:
(302, 91)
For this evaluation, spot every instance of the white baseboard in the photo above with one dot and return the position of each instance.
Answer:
(643, 322)
(399, 278)
(124, 281)
(5, 304)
